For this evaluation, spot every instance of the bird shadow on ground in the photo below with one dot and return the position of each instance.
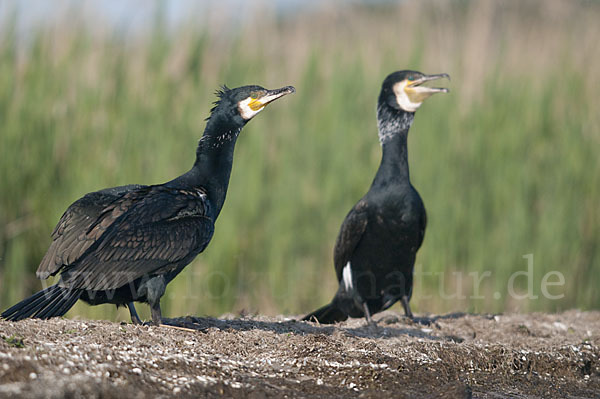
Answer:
(386, 327)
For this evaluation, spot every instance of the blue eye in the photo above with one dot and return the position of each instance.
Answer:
(411, 77)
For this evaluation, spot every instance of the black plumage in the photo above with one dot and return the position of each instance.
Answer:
(125, 244)
(375, 251)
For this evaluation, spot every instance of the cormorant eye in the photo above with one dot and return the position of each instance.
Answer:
(411, 77)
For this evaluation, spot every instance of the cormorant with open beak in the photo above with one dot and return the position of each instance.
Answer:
(375, 251)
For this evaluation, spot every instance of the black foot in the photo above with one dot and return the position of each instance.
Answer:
(425, 321)
(389, 319)
(161, 322)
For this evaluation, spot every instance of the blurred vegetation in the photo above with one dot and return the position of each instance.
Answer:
(507, 163)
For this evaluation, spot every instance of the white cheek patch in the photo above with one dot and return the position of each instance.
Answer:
(347, 277)
(402, 98)
(245, 111)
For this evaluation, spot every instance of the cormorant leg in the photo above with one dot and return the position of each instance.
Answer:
(156, 314)
(367, 314)
(135, 319)
(153, 289)
(406, 307)
(421, 320)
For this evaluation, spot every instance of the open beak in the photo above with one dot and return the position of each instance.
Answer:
(270, 96)
(418, 93)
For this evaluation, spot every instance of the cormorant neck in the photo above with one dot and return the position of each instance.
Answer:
(214, 160)
(393, 134)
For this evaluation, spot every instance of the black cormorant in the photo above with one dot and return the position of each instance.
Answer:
(125, 244)
(375, 251)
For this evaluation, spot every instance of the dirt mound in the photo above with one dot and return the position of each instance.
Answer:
(455, 356)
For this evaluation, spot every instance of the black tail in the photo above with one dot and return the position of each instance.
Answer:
(54, 301)
(328, 314)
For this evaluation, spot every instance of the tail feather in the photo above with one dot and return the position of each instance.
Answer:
(67, 305)
(54, 301)
(27, 307)
(59, 305)
(328, 314)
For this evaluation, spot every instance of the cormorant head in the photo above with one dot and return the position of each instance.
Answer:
(402, 90)
(241, 104)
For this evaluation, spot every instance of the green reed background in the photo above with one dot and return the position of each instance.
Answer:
(507, 163)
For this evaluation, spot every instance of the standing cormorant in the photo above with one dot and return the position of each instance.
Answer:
(125, 244)
(375, 251)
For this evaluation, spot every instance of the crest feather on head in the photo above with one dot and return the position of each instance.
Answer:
(220, 92)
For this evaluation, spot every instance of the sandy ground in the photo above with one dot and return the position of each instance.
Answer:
(456, 356)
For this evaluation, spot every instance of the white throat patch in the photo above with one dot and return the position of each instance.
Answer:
(245, 111)
(402, 98)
